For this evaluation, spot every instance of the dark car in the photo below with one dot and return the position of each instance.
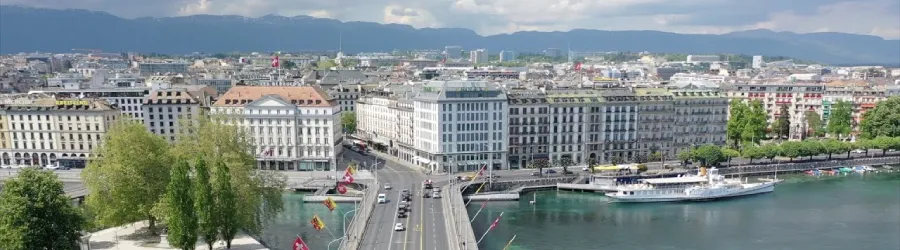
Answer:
(402, 214)
(407, 197)
(535, 173)
(549, 171)
(426, 195)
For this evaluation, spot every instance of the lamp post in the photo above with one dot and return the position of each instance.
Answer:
(329, 243)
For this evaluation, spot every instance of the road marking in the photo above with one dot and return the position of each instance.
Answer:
(391, 240)
(422, 221)
(406, 234)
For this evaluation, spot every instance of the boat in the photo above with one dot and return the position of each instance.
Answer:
(708, 186)
(863, 169)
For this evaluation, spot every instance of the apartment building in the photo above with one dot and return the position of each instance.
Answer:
(860, 95)
(386, 119)
(797, 97)
(125, 92)
(294, 128)
(165, 109)
(153, 68)
(700, 117)
(656, 121)
(346, 96)
(42, 130)
(529, 127)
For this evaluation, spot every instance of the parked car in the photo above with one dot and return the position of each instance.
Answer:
(399, 227)
(382, 198)
(549, 171)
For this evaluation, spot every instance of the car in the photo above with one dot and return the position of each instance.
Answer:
(585, 169)
(426, 195)
(464, 178)
(404, 191)
(549, 171)
(399, 227)
(403, 207)
(859, 151)
(388, 186)
(382, 198)
(535, 173)
(407, 197)
(437, 189)
(402, 214)
(436, 195)
(5, 166)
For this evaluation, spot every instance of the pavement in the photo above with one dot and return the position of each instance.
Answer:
(135, 237)
(425, 225)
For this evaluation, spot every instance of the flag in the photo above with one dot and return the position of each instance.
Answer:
(329, 203)
(479, 187)
(299, 244)
(348, 178)
(481, 171)
(317, 223)
(494, 224)
(509, 243)
(275, 63)
(351, 170)
(341, 188)
(578, 66)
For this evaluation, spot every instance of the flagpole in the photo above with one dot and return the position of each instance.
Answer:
(476, 192)
(489, 229)
(479, 210)
(510, 242)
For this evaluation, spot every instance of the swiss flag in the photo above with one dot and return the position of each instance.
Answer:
(578, 66)
(299, 244)
(275, 63)
(494, 224)
(341, 188)
(348, 178)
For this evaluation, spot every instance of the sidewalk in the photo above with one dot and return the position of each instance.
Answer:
(400, 162)
(134, 237)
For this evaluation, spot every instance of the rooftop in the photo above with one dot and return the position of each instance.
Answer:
(301, 96)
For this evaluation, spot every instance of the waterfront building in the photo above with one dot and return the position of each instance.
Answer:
(385, 118)
(860, 95)
(529, 127)
(164, 109)
(43, 130)
(507, 55)
(797, 97)
(701, 117)
(293, 128)
(656, 122)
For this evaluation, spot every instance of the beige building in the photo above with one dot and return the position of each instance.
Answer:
(701, 117)
(43, 130)
(163, 109)
(797, 97)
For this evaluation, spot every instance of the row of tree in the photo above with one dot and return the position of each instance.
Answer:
(708, 155)
(139, 176)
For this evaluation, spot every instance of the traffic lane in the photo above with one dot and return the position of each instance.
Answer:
(365, 161)
(380, 231)
(400, 178)
(434, 230)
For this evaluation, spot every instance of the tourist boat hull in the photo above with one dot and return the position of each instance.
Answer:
(748, 189)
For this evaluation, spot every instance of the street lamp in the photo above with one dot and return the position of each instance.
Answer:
(329, 243)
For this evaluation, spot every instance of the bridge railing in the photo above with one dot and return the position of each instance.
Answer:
(357, 227)
(802, 166)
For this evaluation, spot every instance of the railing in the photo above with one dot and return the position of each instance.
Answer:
(460, 234)
(354, 233)
(792, 167)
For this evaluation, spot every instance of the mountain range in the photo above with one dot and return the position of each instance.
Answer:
(25, 29)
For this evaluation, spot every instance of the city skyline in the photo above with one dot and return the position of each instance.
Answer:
(869, 17)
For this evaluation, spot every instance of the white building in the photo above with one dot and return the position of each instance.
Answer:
(42, 130)
(479, 56)
(152, 68)
(702, 58)
(294, 128)
(507, 55)
(164, 109)
(757, 62)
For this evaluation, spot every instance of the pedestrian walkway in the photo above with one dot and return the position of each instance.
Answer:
(403, 163)
(135, 237)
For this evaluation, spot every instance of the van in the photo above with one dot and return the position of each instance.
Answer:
(382, 198)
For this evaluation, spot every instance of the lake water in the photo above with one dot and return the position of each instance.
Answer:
(295, 220)
(841, 212)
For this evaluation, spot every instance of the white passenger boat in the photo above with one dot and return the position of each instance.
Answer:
(691, 188)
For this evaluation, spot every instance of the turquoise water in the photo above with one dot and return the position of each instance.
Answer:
(841, 212)
(295, 220)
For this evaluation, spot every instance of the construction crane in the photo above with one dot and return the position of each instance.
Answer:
(88, 50)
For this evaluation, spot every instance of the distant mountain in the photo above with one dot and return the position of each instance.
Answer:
(25, 29)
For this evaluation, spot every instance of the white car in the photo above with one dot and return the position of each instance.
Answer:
(388, 186)
(399, 227)
(585, 169)
(5, 166)
(859, 151)
(382, 198)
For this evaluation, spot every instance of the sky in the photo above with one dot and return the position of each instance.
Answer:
(488, 17)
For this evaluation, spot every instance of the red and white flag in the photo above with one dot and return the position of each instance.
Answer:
(481, 171)
(348, 178)
(578, 66)
(494, 224)
(275, 63)
(341, 188)
(299, 244)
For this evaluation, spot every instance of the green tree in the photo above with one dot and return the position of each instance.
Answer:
(729, 154)
(204, 204)
(771, 150)
(841, 119)
(348, 122)
(179, 209)
(131, 177)
(685, 156)
(782, 125)
(36, 214)
(539, 164)
(756, 123)
(883, 120)
(565, 163)
(865, 145)
(812, 148)
(884, 143)
(226, 213)
(753, 152)
(791, 149)
(814, 126)
(833, 146)
(737, 119)
(289, 65)
(258, 193)
(709, 155)
(325, 65)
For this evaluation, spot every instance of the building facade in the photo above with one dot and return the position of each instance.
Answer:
(165, 109)
(799, 98)
(294, 128)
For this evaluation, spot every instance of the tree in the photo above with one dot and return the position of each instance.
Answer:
(756, 123)
(729, 154)
(771, 150)
(737, 119)
(884, 143)
(257, 193)
(791, 149)
(565, 162)
(841, 118)
(226, 213)
(325, 65)
(685, 156)
(615, 160)
(782, 125)
(204, 205)
(811, 148)
(348, 122)
(180, 208)
(36, 214)
(709, 155)
(540, 164)
(833, 146)
(865, 145)
(289, 65)
(131, 176)
(814, 126)
(753, 152)
(641, 158)
(883, 120)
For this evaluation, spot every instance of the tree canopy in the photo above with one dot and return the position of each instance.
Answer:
(883, 120)
(841, 119)
(737, 119)
(180, 208)
(128, 175)
(36, 214)
(348, 122)
(782, 125)
(755, 123)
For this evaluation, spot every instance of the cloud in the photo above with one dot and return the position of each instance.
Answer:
(873, 17)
